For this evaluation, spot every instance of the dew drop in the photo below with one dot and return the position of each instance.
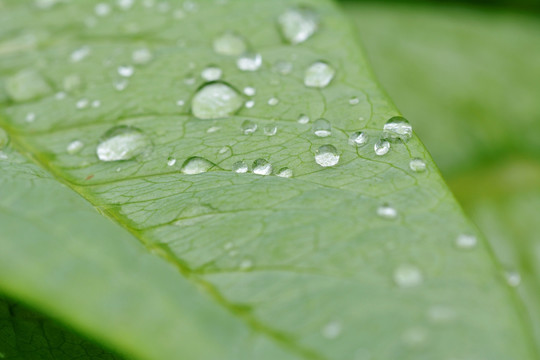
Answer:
(319, 75)
(79, 54)
(273, 101)
(3, 156)
(354, 100)
(270, 130)
(249, 62)
(82, 104)
(4, 138)
(466, 241)
(331, 330)
(283, 67)
(72, 82)
(196, 165)
(249, 127)
(245, 264)
(262, 167)
(285, 172)
(30, 117)
(298, 24)
(440, 313)
(125, 71)
(180, 102)
(303, 119)
(249, 104)
(102, 9)
(407, 276)
(216, 100)
(122, 143)
(60, 95)
(240, 167)
(141, 56)
(249, 91)
(96, 103)
(358, 138)
(211, 73)
(322, 128)
(74, 147)
(26, 85)
(397, 128)
(212, 129)
(171, 161)
(381, 147)
(386, 211)
(121, 84)
(327, 155)
(230, 44)
(417, 165)
(125, 4)
(513, 278)
(189, 80)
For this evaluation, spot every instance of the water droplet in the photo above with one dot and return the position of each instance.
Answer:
(211, 73)
(141, 56)
(4, 138)
(82, 104)
(189, 80)
(440, 313)
(285, 172)
(26, 85)
(273, 101)
(126, 71)
(249, 127)
(358, 138)
(298, 24)
(407, 276)
(96, 103)
(121, 84)
(230, 44)
(354, 100)
(386, 211)
(381, 147)
(245, 264)
(60, 95)
(171, 161)
(417, 165)
(80, 54)
(322, 128)
(331, 330)
(319, 75)
(180, 102)
(125, 4)
(30, 117)
(3, 156)
(240, 167)
(122, 143)
(212, 129)
(74, 147)
(513, 278)
(72, 82)
(283, 67)
(228, 246)
(223, 150)
(196, 165)
(249, 104)
(249, 91)
(397, 128)
(262, 167)
(102, 9)
(303, 119)
(270, 130)
(415, 337)
(466, 241)
(327, 155)
(216, 100)
(249, 62)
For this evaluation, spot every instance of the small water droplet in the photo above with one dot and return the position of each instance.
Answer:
(26, 85)
(249, 104)
(466, 241)
(327, 155)
(80, 54)
(121, 84)
(331, 330)
(273, 101)
(319, 75)
(407, 276)
(354, 100)
(74, 147)
(440, 313)
(30, 117)
(249, 127)
(141, 56)
(386, 211)
(60, 95)
(283, 67)
(211, 73)
(3, 156)
(249, 91)
(245, 264)
(397, 128)
(171, 161)
(285, 172)
(228, 246)
(303, 119)
(96, 103)
(415, 337)
(125, 71)
(249, 62)
(4, 138)
(213, 129)
(417, 165)
(262, 167)
(196, 165)
(102, 9)
(72, 82)
(513, 278)
(82, 104)
(190, 80)
(230, 44)
(270, 130)
(223, 150)
(381, 147)
(125, 4)
(180, 102)
(216, 100)
(322, 128)
(298, 24)
(358, 138)
(122, 143)
(240, 167)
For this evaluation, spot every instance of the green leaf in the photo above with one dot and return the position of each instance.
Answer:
(222, 265)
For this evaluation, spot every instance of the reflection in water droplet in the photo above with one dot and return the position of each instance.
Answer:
(283, 67)
(397, 128)
(285, 172)
(196, 165)
(466, 241)
(381, 147)
(240, 167)
(4, 138)
(141, 56)
(513, 278)
(358, 138)
(171, 161)
(230, 44)
(270, 130)
(322, 128)
(249, 91)
(273, 101)
(122, 143)
(216, 100)
(211, 73)
(74, 147)
(407, 276)
(331, 330)
(327, 155)
(249, 127)
(126, 71)
(387, 212)
(303, 119)
(26, 85)
(417, 165)
(319, 75)
(249, 62)
(262, 167)
(298, 24)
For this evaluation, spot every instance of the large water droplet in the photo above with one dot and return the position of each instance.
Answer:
(386, 211)
(466, 241)
(397, 128)
(249, 127)
(327, 155)
(230, 44)
(26, 85)
(196, 165)
(298, 24)
(322, 128)
(74, 147)
(122, 143)
(249, 62)
(407, 276)
(319, 75)
(331, 330)
(211, 73)
(285, 172)
(216, 100)
(240, 167)
(262, 167)
(358, 138)
(4, 138)
(417, 165)
(381, 147)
